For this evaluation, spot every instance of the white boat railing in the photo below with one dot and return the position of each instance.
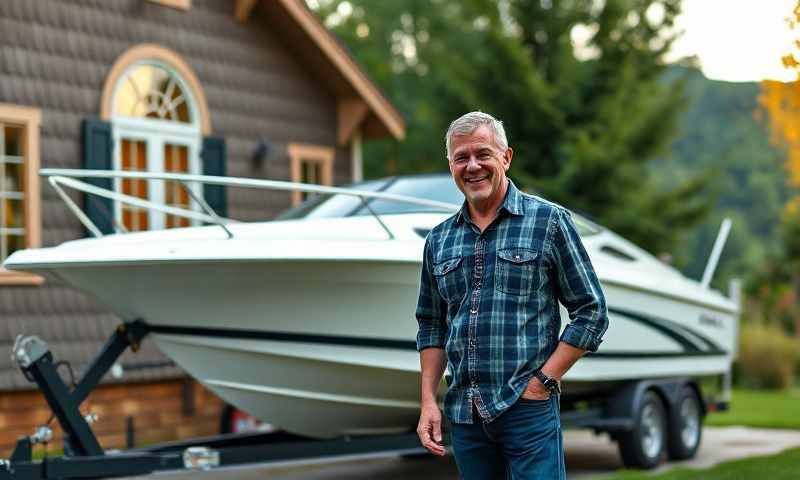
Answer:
(61, 177)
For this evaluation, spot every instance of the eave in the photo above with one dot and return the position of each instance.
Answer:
(361, 104)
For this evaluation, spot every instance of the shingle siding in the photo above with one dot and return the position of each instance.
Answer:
(55, 55)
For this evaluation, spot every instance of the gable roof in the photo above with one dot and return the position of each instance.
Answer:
(360, 101)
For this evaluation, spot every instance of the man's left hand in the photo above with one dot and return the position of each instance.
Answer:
(535, 390)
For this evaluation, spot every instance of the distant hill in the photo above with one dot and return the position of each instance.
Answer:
(719, 131)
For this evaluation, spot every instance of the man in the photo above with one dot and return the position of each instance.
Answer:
(492, 278)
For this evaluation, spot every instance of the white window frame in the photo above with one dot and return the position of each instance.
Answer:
(156, 133)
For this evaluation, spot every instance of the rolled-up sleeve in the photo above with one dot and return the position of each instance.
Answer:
(578, 287)
(431, 307)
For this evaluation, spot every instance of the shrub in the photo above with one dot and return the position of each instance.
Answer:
(767, 357)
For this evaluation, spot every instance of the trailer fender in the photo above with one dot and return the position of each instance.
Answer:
(627, 400)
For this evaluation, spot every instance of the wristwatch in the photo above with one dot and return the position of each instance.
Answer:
(551, 384)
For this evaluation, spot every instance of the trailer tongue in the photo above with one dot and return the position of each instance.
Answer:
(84, 458)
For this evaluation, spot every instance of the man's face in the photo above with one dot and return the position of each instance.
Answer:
(478, 165)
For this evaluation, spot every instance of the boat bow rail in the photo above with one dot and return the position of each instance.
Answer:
(59, 178)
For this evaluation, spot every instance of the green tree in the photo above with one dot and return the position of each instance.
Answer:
(719, 132)
(781, 101)
(584, 119)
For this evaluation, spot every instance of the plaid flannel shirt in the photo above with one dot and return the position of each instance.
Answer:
(491, 300)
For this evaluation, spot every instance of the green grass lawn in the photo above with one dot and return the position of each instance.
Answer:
(754, 408)
(761, 408)
(784, 466)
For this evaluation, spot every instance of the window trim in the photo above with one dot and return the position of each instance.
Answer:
(152, 52)
(156, 132)
(30, 120)
(300, 152)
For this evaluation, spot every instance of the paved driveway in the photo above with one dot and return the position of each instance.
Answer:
(588, 456)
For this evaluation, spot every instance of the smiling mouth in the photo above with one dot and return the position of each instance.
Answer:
(475, 180)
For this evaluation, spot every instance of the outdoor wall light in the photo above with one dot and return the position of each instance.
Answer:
(261, 153)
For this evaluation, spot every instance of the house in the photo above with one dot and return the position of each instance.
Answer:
(223, 87)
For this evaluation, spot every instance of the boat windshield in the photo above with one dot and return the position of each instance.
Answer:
(428, 187)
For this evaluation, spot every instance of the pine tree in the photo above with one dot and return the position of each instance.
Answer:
(584, 121)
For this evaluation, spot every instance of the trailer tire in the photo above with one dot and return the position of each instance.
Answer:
(685, 426)
(644, 445)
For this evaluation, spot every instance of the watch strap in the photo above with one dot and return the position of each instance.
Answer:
(551, 384)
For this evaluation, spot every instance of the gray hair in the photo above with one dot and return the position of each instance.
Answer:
(469, 122)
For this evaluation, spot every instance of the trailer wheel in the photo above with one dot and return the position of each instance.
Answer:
(685, 426)
(644, 446)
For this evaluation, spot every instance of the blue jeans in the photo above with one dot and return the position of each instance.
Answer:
(524, 442)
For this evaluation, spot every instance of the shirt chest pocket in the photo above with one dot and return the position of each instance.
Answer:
(450, 279)
(515, 272)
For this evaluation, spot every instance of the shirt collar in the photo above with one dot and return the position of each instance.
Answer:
(512, 204)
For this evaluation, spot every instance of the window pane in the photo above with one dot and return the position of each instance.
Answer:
(141, 157)
(183, 159)
(143, 219)
(127, 98)
(13, 213)
(167, 157)
(310, 172)
(12, 206)
(13, 141)
(12, 178)
(151, 91)
(317, 173)
(127, 218)
(134, 158)
(14, 243)
(126, 154)
(176, 160)
(182, 112)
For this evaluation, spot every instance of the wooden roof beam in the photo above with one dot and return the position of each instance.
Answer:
(351, 113)
(390, 119)
(243, 9)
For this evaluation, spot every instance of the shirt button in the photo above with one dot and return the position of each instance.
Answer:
(474, 311)
(516, 257)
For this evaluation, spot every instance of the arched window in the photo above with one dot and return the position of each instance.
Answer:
(151, 90)
(158, 117)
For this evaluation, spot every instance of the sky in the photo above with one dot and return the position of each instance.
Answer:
(734, 40)
(738, 40)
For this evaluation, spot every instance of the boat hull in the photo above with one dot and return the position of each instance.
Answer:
(294, 343)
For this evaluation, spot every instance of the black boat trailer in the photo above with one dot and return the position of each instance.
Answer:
(84, 458)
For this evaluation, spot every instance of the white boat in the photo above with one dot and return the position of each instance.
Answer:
(307, 322)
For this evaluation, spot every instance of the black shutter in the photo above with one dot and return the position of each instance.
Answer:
(97, 149)
(213, 157)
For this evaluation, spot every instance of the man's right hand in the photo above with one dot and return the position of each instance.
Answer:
(430, 429)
